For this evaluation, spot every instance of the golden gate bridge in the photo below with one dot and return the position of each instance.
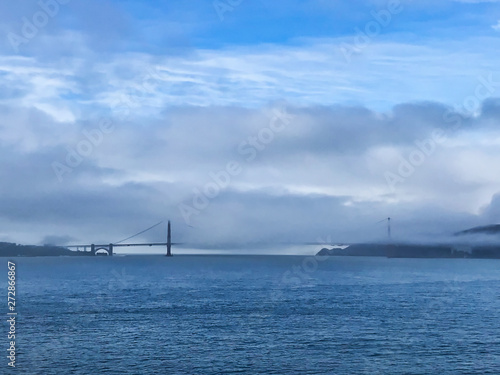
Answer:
(108, 249)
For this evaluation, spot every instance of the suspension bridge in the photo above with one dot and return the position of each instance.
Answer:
(108, 249)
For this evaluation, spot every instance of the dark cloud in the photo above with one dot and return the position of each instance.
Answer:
(491, 109)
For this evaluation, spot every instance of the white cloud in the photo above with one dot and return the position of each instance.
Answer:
(329, 162)
(310, 73)
(189, 113)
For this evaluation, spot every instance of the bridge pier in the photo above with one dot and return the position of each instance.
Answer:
(92, 249)
(110, 252)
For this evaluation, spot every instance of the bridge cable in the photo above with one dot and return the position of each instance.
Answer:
(141, 232)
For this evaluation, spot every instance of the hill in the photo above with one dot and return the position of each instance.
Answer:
(415, 251)
(8, 249)
(486, 229)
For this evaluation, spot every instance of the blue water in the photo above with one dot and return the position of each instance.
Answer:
(256, 315)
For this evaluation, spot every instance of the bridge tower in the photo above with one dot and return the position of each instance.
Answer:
(169, 241)
(389, 228)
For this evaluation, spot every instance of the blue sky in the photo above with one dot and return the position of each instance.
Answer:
(197, 23)
(323, 47)
(185, 87)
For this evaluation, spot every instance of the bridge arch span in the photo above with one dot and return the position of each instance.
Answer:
(101, 250)
(98, 249)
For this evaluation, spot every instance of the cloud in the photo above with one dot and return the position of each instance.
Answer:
(177, 119)
(496, 27)
(186, 94)
(322, 175)
(313, 73)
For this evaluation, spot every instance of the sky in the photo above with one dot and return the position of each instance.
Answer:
(248, 122)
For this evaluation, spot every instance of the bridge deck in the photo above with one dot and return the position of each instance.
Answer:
(125, 244)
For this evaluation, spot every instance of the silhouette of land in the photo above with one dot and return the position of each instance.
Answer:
(486, 229)
(414, 250)
(391, 250)
(8, 249)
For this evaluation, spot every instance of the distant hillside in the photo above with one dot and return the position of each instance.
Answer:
(486, 229)
(415, 251)
(8, 249)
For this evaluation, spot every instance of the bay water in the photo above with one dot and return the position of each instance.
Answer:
(235, 314)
